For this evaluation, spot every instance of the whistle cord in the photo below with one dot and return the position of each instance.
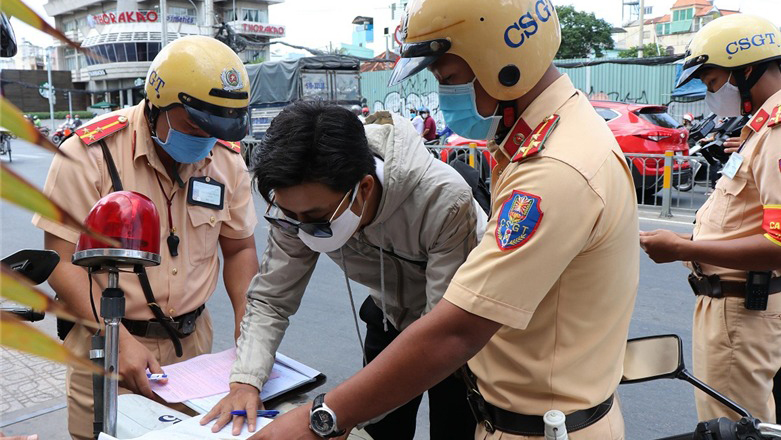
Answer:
(173, 239)
(352, 304)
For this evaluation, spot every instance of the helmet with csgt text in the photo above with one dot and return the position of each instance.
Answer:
(731, 42)
(509, 44)
(208, 79)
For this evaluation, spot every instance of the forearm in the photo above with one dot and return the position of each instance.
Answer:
(423, 355)
(241, 265)
(262, 330)
(749, 253)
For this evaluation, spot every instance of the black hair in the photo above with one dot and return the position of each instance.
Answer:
(312, 142)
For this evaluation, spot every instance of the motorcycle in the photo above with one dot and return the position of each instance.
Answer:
(706, 141)
(661, 357)
(63, 132)
(5, 143)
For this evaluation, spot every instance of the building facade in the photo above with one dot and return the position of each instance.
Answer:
(672, 31)
(126, 35)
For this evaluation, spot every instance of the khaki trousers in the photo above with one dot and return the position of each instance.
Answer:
(79, 383)
(737, 352)
(609, 427)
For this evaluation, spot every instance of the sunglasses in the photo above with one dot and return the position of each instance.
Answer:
(315, 229)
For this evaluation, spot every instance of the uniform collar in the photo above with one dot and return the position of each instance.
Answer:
(549, 101)
(144, 147)
(762, 115)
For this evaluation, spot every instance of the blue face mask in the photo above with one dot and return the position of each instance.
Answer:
(457, 104)
(183, 147)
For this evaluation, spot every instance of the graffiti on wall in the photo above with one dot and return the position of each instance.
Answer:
(414, 93)
(601, 95)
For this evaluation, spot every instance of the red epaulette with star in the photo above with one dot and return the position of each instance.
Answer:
(775, 117)
(95, 131)
(234, 146)
(536, 141)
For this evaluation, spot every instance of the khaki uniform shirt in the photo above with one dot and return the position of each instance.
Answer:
(182, 283)
(564, 285)
(750, 202)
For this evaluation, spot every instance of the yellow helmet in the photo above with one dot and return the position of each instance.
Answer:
(205, 77)
(509, 44)
(731, 42)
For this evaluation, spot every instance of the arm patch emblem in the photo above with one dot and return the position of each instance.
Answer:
(518, 220)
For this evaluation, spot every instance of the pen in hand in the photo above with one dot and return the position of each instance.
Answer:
(269, 414)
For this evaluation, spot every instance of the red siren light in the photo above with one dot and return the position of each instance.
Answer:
(131, 219)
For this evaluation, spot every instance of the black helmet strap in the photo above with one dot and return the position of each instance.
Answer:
(745, 85)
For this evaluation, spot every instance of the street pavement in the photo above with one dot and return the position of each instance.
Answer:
(322, 333)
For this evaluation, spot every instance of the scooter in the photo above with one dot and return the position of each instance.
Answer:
(63, 132)
(712, 150)
(661, 357)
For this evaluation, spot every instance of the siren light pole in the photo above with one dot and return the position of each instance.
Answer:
(132, 220)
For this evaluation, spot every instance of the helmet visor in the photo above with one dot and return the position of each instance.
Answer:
(416, 57)
(691, 69)
(226, 123)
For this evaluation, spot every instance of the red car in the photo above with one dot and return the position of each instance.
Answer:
(647, 129)
(638, 128)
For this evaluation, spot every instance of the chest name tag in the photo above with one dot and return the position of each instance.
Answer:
(205, 191)
(732, 166)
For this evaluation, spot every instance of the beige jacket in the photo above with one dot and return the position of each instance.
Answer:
(425, 226)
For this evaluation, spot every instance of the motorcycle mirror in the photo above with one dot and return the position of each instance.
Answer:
(8, 46)
(661, 357)
(35, 265)
(652, 357)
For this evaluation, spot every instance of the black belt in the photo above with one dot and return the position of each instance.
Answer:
(534, 426)
(184, 326)
(714, 287)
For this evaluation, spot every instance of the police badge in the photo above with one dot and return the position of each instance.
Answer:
(231, 80)
(518, 220)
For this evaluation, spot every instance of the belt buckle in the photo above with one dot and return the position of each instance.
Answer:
(188, 324)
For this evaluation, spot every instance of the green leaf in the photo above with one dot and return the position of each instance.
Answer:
(23, 337)
(17, 289)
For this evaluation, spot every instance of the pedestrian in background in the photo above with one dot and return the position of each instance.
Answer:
(429, 125)
(417, 121)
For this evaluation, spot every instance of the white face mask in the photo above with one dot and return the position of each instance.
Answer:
(342, 228)
(726, 101)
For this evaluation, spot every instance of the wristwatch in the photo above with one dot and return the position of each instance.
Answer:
(322, 419)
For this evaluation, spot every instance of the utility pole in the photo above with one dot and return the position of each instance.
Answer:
(51, 90)
(164, 20)
(642, 27)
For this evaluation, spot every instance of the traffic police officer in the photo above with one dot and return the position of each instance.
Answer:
(196, 92)
(541, 307)
(735, 251)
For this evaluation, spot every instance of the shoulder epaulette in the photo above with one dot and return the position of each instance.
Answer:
(234, 146)
(536, 141)
(95, 131)
(775, 117)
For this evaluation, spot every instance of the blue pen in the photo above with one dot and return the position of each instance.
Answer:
(269, 414)
(156, 376)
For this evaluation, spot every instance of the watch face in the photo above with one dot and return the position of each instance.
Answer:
(322, 421)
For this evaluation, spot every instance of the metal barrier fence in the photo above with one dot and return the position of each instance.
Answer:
(668, 181)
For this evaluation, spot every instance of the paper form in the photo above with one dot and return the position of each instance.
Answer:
(191, 429)
(201, 376)
(286, 374)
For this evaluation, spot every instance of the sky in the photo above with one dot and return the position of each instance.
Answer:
(316, 23)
